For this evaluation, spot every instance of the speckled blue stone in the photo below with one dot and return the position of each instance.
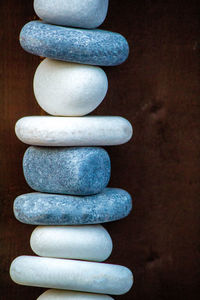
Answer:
(67, 170)
(94, 47)
(48, 209)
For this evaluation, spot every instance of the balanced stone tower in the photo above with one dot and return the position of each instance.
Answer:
(65, 164)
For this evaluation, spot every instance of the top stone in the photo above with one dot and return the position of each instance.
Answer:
(75, 13)
(92, 47)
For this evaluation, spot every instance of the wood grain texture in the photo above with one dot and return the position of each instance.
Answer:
(158, 90)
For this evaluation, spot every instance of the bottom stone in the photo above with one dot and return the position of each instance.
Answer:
(68, 295)
(53, 209)
(71, 275)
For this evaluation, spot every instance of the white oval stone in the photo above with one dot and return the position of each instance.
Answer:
(73, 131)
(89, 242)
(71, 275)
(75, 13)
(69, 295)
(69, 89)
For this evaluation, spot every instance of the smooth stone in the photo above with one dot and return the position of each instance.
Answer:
(69, 295)
(92, 47)
(75, 13)
(71, 275)
(89, 242)
(69, 89)
(74, 170)
(48, 209)
(74, 131)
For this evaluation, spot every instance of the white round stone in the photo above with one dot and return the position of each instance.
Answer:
(73, 131)
(69, 295)
(75, 13)
(71, 275)
(69, 89)
(89, 242)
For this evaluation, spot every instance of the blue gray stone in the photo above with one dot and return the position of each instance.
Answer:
(67, 170)
(74, 13)
(48, 209)
(93, 47)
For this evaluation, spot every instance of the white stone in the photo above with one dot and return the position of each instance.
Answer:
(69, 89)
(71, 275)
(75, 13)
(73, 131)
(89, 242)
(68, 295)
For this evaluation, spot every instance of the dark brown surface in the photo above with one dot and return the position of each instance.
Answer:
(158, 90)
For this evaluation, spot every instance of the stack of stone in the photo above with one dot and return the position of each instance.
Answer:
(71, 197)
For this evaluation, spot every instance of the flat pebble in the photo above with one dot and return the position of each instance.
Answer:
(88, 242)
(75, 13)
(71, 275)
(73, 131)
(69, 295)
(50, 209)
(69, 89)
(67, 170)
(92, 46)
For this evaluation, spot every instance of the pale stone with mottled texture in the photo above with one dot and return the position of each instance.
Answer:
(73, 131)
(71, 275)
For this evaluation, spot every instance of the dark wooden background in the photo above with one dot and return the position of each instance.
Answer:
(158, 90)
